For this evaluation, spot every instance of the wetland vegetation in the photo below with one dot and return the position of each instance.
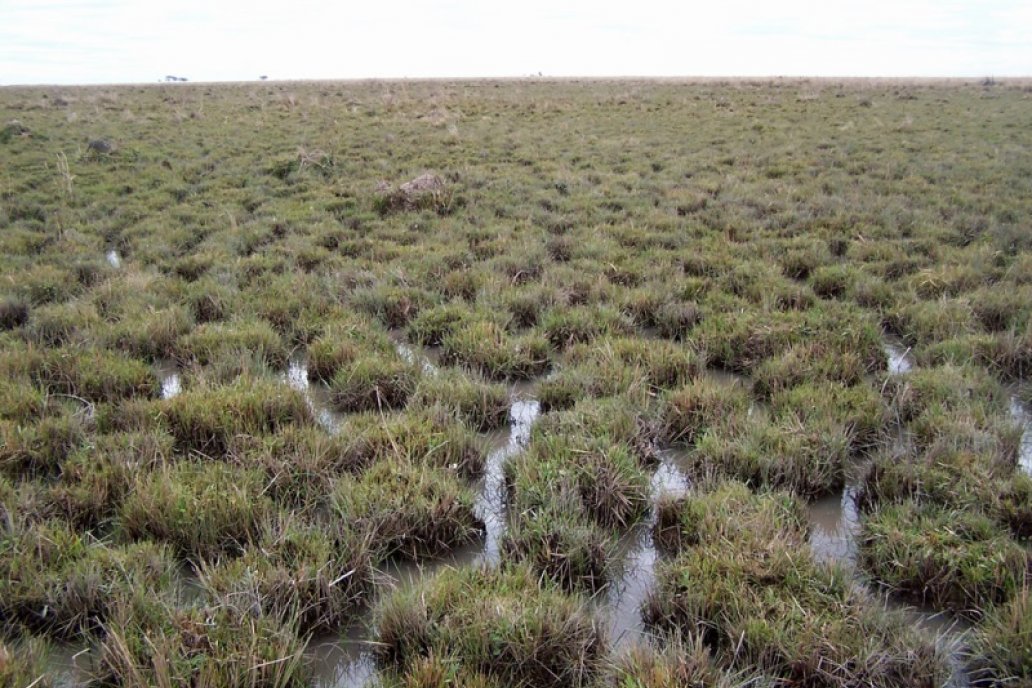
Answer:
(516, 383)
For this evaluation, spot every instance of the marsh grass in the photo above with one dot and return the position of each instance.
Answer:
(201, 509)
(408, 510)
(152, 641)
(480, 404)
(298, 574)
(777, 229)
(25, 663)
(953, 559)
(207, 420)
(505, 624)
(746, 582)
(373, 383)
(64, 584)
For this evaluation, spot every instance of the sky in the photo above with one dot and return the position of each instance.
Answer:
(118, 41)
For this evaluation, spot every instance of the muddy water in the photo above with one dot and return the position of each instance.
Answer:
(315, 396)
(900, 361)
(491, 507)
(1022, 414)
(637, 563)
(113, 258)
(344, 661)
(834, 527)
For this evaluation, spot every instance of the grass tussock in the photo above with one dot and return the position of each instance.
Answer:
(761, 604)
(407, 510)
(298, 574)
(500, 623)
(209, 420)
(201, 509)
(958, 560)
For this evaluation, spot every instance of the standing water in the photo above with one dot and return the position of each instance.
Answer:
(1021, 413)
(297, 377)
(900, 361)
(638, 568)
(491, 500)
(168, 374)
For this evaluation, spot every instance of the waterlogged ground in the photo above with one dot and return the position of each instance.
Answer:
(642, 383)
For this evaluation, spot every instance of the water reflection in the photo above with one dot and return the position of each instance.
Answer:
(297, 377)
(491, 499)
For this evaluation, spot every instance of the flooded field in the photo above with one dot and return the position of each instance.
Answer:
(520, 383)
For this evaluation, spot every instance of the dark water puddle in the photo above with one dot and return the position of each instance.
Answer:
(1021, 413)
(315, 395)
(113, 258)
(900, 360)
(343, 661)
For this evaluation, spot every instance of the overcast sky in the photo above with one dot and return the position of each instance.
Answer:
(102, 41)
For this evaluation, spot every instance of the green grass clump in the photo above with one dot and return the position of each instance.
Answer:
(807, 362)
(502, 623)
(201, 509)
(484, 347)
(210, 341)
(661, 364)
(374, 383)
(757, 599)
(208, 420)
(65, 584)
(407, 509)
(481, 405)
(152, 641)
(1002, 648)
(301, 464)
(783, 453)
(158, 333)
(341, 344)
(687, 412)
(21, 401)
(958, 560)
(431, 326)
(675, 662)
(73, 323)
(561, 544)
(394, 306)
(299, 574)
(40, 448)
(94, 375)
(25, 663)
(602, 423)
(607, 480)
(582, 324)
(96, 478)
(729, 511)
(420, 437)
(858, 411)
